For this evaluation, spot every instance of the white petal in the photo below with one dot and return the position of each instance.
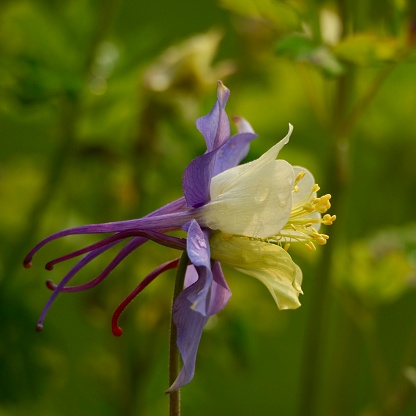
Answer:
(265, 158)
(254, 202)
(267, 262)
(254, 199)
(304, 186)
(301, 197)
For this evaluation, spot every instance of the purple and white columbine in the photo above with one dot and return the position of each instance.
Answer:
(244, 216)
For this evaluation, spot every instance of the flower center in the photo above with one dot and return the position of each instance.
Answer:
(305, 219)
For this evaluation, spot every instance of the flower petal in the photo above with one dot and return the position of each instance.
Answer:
(220, 292)
(199, 255)
(267, 262)
(232, 152)
(256, 205)
(304, 186)
(197, 176)
(190, 323)
(215, 126)
(243, 126)
(254, 199)
(206, 293)
(190, 308)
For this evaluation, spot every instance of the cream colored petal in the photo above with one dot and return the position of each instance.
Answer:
(304, 186)
(240, 171)
(267, 262)
(302, 196)
(255, 202)
(253, 199)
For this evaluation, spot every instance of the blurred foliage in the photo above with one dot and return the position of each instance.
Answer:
(98, 101)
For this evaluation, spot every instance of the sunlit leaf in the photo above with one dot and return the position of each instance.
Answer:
(380, 269)
(364, 49)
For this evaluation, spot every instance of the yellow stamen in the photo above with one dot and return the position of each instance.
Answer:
(300, 224)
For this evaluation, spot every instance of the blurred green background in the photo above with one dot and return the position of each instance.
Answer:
(97, 123)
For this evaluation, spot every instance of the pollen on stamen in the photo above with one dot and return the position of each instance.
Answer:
(299, 176)
(39, 327)
(310, 246)
(328, 219)
(316, 188)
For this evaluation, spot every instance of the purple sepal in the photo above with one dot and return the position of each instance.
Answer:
(215, 126)
(204, 297)
(232, 152)
(197, 177)
(200, 256)
(220, 292)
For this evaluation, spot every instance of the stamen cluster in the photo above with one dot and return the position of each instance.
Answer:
(303, 217)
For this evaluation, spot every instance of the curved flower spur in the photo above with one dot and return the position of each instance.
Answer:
(245, 216)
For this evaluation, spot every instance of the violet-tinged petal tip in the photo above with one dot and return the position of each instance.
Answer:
(222, 94)
(243, 126)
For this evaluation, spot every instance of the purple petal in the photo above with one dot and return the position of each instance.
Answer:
(220, 292)
(204, 297)
(198, 174)
(191, 276)
(190, 324)
(199, 255)
(215, 126)
(197, 178)
(232, 152)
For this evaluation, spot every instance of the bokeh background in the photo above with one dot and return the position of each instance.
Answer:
(97, 122)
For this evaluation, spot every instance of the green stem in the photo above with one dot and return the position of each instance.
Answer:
(175, 397)
(317, 327)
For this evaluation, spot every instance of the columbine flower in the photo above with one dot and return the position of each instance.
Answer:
(244, 216)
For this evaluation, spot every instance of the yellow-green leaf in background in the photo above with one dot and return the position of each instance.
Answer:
(379, 270)
(365, 49)
(282, 15)
(304, 49)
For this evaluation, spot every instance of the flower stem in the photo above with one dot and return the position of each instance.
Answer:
(175, 397)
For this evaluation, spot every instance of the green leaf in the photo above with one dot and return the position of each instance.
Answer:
(304, 49)
(366, 49)
(380, 269)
